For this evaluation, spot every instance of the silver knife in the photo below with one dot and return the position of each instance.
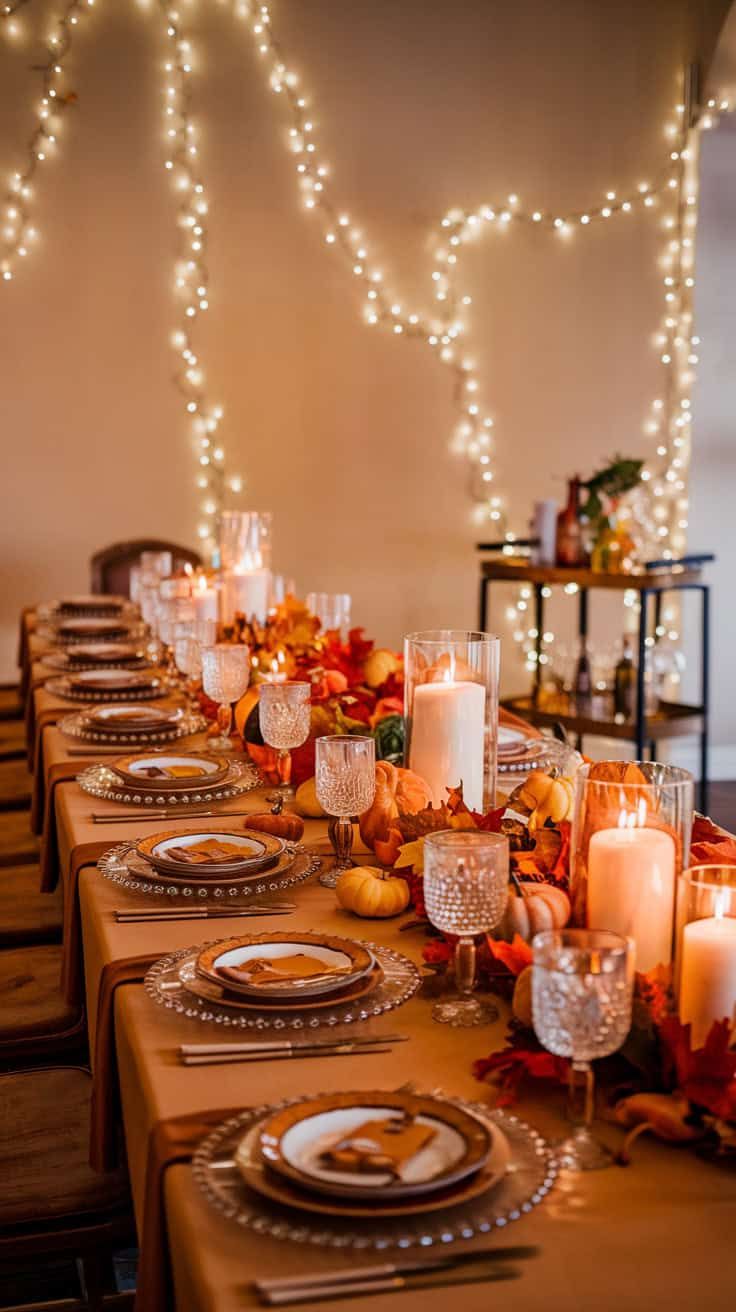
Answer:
(310, 1293)
(410, 1266)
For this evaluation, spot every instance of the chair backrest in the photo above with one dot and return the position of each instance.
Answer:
(110, 567)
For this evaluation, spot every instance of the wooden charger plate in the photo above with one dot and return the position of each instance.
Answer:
(280, 1190)
(204, 988)
(213, 772)
(359, 958)
(265, 848)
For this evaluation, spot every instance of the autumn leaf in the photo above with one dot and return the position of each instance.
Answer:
(515, 956)
(508, 1069)
(411, 854)
(707, 1075)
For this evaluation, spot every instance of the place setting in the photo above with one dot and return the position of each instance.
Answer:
(87, 606)
(129, 724)
(97, 656)
(373, 1171)
(63, 631)
(106, 685)
(217, 871)
(160, 783)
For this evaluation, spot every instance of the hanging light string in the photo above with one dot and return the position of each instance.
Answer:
(191, 276)
(18, 233)
(9, 25)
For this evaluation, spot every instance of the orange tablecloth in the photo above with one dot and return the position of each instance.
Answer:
(658, 1235)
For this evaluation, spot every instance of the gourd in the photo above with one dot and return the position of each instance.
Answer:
(546, 798)
(398, 792)
(306, 800)
(283, 824)
(521, 1002)
(368, 892)
(532, 908)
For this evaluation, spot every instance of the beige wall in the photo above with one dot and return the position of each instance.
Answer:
(342, 432)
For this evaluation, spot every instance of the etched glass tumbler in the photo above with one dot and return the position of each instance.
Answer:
(466, 877)
(582, 986)
(225, 677)
(345, 772)
(284, 714)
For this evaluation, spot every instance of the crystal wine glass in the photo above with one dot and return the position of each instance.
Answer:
(284, 713)
(466, 876)
(345, 771)
(582, 985)
(225, 677)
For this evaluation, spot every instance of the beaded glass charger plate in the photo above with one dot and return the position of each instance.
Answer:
(94, 605)
(118, 656)
(528, 1180)
(166, 982)
(124, 867)
(123, 686)
(66, 633)
(78, 726)
(100, 781)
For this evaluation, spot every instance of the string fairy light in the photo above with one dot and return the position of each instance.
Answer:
(442, 329)
(9, 24)
(54, 102)
(191, 276)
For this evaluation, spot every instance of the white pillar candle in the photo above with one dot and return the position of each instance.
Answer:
(245, 591)
(447, 738)
(205, 602)
(631, 889)
(707, 975)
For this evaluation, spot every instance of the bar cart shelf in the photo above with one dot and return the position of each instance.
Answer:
(547, 708)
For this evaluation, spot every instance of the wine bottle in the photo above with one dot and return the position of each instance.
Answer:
(569, 544)
(624, 682)
(583, 686)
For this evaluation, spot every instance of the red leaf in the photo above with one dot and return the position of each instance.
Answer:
(510, 1067)
(707, 1075)
(515, 956)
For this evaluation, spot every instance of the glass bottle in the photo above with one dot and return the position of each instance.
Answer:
(583, 686)
(570, 546)
(624, 683)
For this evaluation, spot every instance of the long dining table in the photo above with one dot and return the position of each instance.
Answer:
(656, 1235)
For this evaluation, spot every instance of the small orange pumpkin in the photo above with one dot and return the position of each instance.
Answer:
(398, 792)
(534, 908)
(283, 824)
(369, 892)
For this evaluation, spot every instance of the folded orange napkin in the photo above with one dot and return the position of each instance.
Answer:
(105, 1106)
(44, 786)
(171, 1142)
(72, 963)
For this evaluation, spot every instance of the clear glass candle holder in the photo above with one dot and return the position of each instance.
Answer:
(705, 961)
(245, 555)
(332, 609)
(582, 990)
(451, 712)
(284, 715)
(630, 842)
(157, 564)
(466, 877)
(345, 773)
(225, 677)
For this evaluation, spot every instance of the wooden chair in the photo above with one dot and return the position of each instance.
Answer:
(15, 785)
(18, 846)
(37, 1024)
(11, 707)
(27, 916)
(52, 1204)
(110, 567)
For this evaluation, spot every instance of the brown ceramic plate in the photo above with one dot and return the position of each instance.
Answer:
(129, 718)
(104, 653)
(339, 963)
(281, 1190)
(100, 681)
(204, 988)
(95, 601)
(449, 1143)
(203, 771)
(92, 628)
(162, 851)
(277, 868)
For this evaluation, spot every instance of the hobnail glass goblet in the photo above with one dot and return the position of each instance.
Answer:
(225, 677)
(345, 773)
(582, 985)
(466, 876)
(284, 712)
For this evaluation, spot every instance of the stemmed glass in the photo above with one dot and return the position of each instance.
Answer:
(466, 876)
(225, 677)
(332, 609)
(345, 771)
(284, 713)
(582, 986)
